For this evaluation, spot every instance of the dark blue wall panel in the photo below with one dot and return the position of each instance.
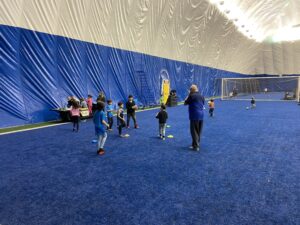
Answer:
(38, 71)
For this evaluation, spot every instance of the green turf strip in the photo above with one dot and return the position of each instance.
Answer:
(18, 128)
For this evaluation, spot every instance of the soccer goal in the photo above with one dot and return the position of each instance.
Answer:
(261, 88)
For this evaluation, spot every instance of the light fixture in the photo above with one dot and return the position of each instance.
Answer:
(244, 24)
(287, 34)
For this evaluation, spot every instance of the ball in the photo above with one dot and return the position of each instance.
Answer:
(135, 107)
(247, 107)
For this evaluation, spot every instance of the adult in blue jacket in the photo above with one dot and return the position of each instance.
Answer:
(196, 102)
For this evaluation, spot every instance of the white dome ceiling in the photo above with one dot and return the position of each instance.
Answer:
(276, 20)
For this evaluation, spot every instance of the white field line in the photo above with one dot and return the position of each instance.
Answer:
(34, 128)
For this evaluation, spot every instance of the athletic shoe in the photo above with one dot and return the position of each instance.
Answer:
(195, 149)
(128, 127)
(101, 151)
(136, 127)
(163, 138)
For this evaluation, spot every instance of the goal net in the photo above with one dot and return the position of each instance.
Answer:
(261, 88)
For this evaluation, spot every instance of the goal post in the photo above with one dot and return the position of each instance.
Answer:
(286, 88)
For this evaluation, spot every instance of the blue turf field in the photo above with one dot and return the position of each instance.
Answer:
(247, 171)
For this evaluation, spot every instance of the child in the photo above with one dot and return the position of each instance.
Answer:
(211, 106)
(75, 114)
(89, 102)
(253, 103)
(109, 110)
(162, 117)
(120, 118)
(99, 121)
(131, 107)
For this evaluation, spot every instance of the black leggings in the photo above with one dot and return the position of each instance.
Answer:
(75, 120)
(110, 122)
(120, 128)
(120, 124)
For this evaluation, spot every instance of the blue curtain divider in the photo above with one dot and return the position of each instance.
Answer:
(39, 70)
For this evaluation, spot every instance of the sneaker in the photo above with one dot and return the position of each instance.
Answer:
(194, 148)
(101, 152)
(136, 127)
(128, 127)
(163, 138)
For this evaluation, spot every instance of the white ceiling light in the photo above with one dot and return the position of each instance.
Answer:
(287, 34)
(265, 20)
(243, 24)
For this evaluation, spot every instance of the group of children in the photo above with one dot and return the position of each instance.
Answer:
(75, 104)
(103, 117)
(100, 120)
(102, 125)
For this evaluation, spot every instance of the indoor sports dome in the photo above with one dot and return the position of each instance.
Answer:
(140, 80)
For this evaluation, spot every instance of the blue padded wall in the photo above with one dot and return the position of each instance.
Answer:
(38, 71)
